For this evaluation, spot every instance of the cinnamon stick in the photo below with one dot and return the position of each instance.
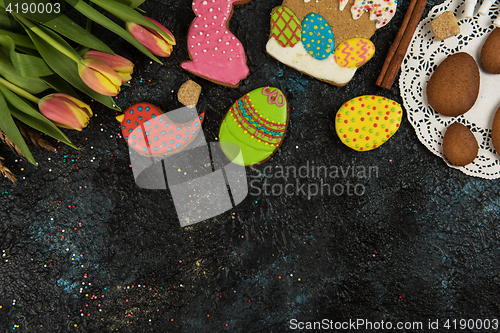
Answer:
(395, 44)
(398, 49)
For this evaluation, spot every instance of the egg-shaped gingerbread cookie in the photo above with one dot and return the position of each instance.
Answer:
(495, 132)
(490, 53)
(257, 123)
(354, 52)
(285, 27)
(459, 145)
(317, 36)
(366, 122)
(453, 88)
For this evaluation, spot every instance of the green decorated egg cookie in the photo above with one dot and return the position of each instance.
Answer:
(285, 26)
(366, 122)
(257, 123)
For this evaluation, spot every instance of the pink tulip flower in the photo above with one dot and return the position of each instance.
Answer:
(99, 76)
(156, 43)
(65, 111)
(123, 67)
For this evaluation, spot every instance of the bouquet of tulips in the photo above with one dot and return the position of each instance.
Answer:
(37, 59)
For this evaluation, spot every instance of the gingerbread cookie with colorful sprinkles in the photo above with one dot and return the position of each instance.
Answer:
(216, 54)
(327, 39)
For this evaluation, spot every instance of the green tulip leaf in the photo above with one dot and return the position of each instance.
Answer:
(9, 72)
(59, 23)
(9, 127)
(132, 3)
(82, 51)
(58, 84)
(66, 27)
(102, 20)
(66, 67)
(25, 64)
(48, 36)
(18, 39)
(24, 112)
(127, 14)
(7, 22)
(26, 50)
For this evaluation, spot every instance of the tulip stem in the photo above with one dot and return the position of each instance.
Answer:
(19, 91)
(47, 38)
(88, 26)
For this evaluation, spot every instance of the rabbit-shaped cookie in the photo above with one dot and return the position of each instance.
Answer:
(216, 54)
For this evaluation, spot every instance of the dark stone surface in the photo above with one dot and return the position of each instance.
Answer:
(85, 250)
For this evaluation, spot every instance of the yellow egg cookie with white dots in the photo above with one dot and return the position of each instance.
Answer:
(366, 122)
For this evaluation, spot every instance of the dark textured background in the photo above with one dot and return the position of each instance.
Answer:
(85, 250)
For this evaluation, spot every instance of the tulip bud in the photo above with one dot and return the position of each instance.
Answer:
(152, 40)
(99, 76)
(119, 64)
(65, 111)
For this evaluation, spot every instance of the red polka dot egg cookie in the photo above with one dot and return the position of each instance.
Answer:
(150, 132)
(366, 122)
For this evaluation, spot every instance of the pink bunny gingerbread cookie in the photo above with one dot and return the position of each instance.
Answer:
(216, 54)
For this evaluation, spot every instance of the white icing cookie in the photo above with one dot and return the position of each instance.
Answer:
(324, 39)
(298, 58)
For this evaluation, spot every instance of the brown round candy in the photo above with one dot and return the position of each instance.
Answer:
(454, 86)
(459, 145)
(189, 93)
(490, 53)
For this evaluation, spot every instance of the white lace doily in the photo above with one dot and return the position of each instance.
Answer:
(422, 58)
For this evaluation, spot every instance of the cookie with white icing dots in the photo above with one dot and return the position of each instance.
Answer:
(327, 39)
(216, 54)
